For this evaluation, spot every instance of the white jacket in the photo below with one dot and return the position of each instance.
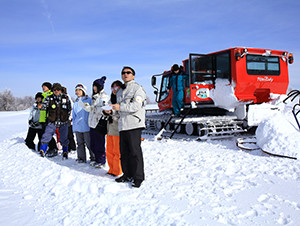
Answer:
(99, 100)
(132, 106)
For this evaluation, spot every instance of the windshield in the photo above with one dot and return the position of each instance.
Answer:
(164, 86)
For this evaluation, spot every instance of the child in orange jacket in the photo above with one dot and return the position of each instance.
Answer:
(112, 139)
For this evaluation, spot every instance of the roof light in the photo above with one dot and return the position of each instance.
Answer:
(267, 53)
(238, 55)
(290, 58)
(283, 57)
(245, 51)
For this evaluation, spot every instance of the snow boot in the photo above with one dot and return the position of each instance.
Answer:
(136, 183)
(43, 149)
(123, 179)
(52, 152)
(65, 152)
(99, 165)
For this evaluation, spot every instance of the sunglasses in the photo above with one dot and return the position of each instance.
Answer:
(56, 89)
(126, 72)
(116, 88)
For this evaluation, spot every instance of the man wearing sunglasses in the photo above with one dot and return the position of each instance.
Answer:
(59, 108)
(130, 105)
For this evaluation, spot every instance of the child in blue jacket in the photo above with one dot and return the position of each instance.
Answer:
(80, 124)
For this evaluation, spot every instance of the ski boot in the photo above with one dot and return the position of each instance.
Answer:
(65, 152)
(43, 149)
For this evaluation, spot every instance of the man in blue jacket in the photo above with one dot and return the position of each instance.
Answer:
(177, 82)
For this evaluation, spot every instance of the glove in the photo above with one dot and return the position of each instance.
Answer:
(35, 124)
(86, 106)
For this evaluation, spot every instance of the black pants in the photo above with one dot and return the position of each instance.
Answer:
(72, 144)
(131, 154)
(32, 132)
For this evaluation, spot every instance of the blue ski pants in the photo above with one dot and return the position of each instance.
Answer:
(177, 101)
(49, 132)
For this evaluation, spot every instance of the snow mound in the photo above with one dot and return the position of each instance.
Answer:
(223, 95)
(280, 134)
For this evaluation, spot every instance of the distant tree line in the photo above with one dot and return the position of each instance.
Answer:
(10, 103)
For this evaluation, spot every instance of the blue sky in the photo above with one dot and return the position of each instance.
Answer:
(75, 41)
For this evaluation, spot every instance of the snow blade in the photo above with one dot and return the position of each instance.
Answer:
(247, 144)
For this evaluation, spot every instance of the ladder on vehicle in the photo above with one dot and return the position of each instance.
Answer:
(182, 117)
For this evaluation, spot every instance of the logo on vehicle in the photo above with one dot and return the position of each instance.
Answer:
(264, 79)
(202, 93)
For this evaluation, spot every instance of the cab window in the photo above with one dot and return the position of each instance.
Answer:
(262, 65)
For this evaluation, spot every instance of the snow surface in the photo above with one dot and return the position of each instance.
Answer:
(187, 183)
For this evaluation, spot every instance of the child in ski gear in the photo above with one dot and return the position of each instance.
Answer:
(72, 143)
(80, 124)
(35, 127)
(112, 139)
(100, 99)
(58, 106)
(177, 82)
(130, 105)
(47, 86)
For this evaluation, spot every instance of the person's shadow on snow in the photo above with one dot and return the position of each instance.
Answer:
(17, 140)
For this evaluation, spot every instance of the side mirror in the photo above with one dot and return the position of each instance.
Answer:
(153, 81)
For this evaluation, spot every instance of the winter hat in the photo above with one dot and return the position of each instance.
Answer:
(47, 84)
(175, 67)
(82, 87)
(39, 94)
(57, 86)
(99, 83)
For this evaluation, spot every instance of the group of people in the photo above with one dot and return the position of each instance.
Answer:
(116, 121)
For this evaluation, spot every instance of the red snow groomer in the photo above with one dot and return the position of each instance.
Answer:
(226, 92)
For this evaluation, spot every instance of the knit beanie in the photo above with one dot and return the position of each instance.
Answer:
(39, 94)
(81, 87)
(99, 83)
(175, 67)
(47, 84)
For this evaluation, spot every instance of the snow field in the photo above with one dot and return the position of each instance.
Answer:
(187, 183)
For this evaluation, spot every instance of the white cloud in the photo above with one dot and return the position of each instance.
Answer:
(47, 14)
